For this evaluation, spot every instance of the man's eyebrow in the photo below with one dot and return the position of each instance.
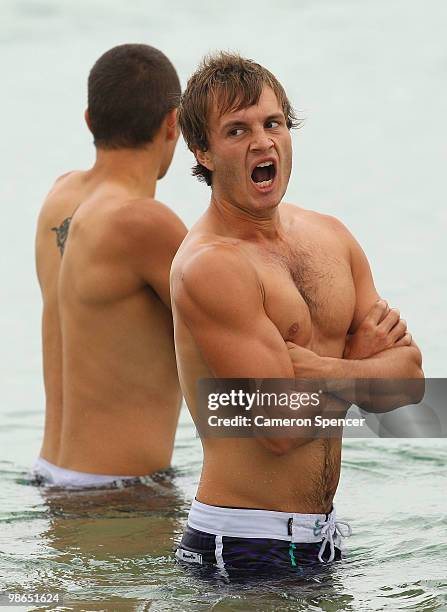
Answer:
(233, 123)
(240, 123)
(275, 116)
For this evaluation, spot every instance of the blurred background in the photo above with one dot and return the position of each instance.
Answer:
(370, 79)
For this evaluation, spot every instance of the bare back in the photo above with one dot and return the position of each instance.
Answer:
(306, 296)
(109, 364)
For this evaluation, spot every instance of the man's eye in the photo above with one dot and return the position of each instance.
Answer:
(272, 124)
(235, 132)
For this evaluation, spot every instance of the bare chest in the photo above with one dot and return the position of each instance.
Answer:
(309, 292)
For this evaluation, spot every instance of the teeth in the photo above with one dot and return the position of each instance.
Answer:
(265, 183)
(264, 164)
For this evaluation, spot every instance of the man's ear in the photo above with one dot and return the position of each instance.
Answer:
(87, 119)
(172, 129)
(205, 159)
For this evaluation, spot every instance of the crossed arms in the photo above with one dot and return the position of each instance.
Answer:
(378, 347)
(220, 299)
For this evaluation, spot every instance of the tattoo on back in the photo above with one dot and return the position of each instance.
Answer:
(62, 234)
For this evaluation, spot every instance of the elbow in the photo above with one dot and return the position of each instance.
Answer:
(393, 394)
(417, 387)
(413, 387)
(416, 384)
(418, 373)
(413, 391)
(416, 370)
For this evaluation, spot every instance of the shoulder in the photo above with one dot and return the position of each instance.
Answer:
(324, 221)
(60, 194)
(326, 225)
(221, 259)
(67, 182)
(213, 273)
(59, 204)
(137, 215)
(145, 223)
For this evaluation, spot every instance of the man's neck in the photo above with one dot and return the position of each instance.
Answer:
(134, 169)
(253, 225)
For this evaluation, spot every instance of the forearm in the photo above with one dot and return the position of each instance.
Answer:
(303, 426)
(400, 362)
(394, 368)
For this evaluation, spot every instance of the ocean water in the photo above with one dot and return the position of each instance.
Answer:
(369, 78)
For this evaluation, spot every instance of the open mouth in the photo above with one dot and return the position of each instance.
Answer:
(263, 174)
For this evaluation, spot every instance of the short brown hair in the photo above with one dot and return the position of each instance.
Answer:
(131, 88)
(232, 83)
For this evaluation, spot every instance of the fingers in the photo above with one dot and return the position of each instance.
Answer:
(377, 312)
(390, 320)
(387, 310)
(398, 331)
(405, 340)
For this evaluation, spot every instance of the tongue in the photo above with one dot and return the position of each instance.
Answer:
(260, 174)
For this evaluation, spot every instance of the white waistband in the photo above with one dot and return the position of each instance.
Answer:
(268, 524)
(60, 477)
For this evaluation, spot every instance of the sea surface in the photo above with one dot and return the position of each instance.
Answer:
(370, 80)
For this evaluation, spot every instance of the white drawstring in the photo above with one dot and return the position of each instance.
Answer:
(328, 529)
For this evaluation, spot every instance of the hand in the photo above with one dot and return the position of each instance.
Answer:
(381, 329)
(306, 363)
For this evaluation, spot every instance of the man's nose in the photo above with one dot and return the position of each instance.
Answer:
(261, 141)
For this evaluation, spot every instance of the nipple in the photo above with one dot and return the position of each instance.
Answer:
(293, 329)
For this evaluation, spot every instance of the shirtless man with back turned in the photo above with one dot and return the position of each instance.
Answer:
(267, 290)
(104, 249)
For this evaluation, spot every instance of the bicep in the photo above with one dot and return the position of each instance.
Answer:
(156, 274)
(162, 243)
(232, 351)
(223, 310)
(365, 290)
